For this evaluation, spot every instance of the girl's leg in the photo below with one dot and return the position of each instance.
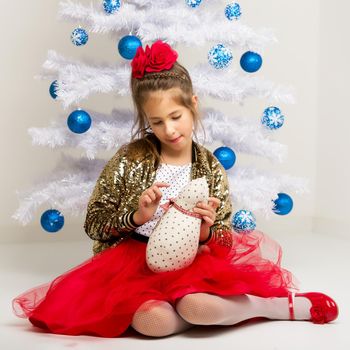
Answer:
(209, 309)
(158, 319)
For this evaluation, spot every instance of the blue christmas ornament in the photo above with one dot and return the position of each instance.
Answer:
(251, 61)
(225, 156)
(283, 204)
(272, 118)
(79, 37)
(233, 11)
(53, 89)
(193, 3)
(219, 56)
(128, 45)
(111, 6)
(244, 221)
(79, 121)
(52, 220)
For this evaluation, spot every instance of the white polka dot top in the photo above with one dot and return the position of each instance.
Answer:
(177, 176)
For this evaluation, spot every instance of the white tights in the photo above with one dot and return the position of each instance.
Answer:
(158, 318)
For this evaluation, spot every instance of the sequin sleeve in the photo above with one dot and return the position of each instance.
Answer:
(220, 190)
(106, 217)
(220, 240)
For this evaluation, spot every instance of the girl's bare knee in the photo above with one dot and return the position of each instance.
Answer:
(200, 309)
(154, 318)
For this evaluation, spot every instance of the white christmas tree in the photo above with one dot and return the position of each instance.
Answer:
(192, 23)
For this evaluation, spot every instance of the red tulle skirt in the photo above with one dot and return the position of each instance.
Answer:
(100, 296)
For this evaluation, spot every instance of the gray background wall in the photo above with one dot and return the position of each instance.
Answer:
(312, 56)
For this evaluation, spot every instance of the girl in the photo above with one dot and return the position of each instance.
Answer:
(230, 281)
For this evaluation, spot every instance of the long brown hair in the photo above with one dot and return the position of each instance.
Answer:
(176, 77)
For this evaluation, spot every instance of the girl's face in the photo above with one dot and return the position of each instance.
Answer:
(171, 123)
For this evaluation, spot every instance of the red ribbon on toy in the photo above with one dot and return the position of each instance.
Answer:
(171, 202)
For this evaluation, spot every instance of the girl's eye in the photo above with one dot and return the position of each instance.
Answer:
(178, 117)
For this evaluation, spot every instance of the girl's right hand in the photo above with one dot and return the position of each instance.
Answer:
(148, 203)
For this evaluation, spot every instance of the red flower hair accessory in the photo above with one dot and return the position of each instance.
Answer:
(160, 56)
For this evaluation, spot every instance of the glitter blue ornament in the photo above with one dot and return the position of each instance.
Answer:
(52, 220)
(233, 11)
(79, 121)
(79, 37)
(283, 204)
(244, 221)
(272, 118)
(225, 156)
(219, 56)
(128, 45)
(53, 89)
(111, 6)
(193, 3)
(251, 61)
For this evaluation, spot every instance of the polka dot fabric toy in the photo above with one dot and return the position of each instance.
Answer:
(173, 243)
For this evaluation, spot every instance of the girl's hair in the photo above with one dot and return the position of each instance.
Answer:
(176, 77)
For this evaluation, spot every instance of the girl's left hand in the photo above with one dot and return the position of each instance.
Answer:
(208, 211)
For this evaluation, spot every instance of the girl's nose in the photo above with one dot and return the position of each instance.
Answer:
(169, 129)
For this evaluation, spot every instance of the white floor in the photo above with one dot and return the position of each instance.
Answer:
(320, 263)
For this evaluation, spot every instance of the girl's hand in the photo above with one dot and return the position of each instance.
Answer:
(208, 211)
(148, 203)
(203, 249)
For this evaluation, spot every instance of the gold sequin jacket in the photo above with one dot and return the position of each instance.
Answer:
(131, 171)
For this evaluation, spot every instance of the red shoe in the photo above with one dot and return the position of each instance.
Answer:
(323, 310)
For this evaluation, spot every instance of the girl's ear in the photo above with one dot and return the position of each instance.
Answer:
(195, 101)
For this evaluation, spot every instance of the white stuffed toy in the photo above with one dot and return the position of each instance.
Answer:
(173, 243)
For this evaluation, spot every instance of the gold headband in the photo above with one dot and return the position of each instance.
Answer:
(164, 74)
